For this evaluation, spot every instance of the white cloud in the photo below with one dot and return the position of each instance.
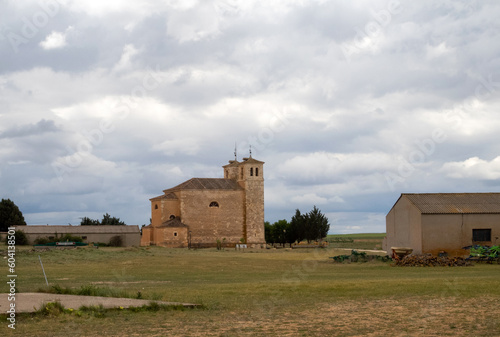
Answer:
(56, 40)
(324, 167)
(193, 23)
(474, 168)
(309, 198)
(187, 146)
(125, 62)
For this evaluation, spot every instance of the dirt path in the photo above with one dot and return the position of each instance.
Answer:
(30, 302)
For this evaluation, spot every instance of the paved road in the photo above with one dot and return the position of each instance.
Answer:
(30, 302)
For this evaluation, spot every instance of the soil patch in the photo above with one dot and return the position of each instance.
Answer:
(31, 302)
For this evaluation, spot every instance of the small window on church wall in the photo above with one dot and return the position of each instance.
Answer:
(251, 171)
(227, 174)
(214, 204)
(156, 206)
(175, 233)
(256, 171)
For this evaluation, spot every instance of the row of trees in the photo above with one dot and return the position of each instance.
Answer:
(310, 226)
(107, 220)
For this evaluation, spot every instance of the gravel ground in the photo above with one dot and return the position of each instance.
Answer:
(30, 302)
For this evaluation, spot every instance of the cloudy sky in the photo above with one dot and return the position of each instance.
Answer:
(103, 104)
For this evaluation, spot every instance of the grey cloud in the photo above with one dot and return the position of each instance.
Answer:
(225, 85)
(41, 127)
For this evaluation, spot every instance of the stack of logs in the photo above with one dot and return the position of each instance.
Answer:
(431, 261)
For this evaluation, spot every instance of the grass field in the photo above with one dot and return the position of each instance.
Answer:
(360, 241)
(262, 293)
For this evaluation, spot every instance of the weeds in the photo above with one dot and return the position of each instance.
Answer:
(88, 290)
(51, 309)
(55, 309)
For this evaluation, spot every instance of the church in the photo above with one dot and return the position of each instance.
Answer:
(201, 212)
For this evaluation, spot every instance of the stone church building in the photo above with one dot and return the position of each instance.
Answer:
(201, 211)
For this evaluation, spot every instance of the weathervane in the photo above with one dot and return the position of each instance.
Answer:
(235, 158)
(250, 151)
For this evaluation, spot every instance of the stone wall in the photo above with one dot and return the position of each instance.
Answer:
(207, 224)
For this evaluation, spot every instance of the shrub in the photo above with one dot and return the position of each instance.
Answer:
(42, 241)
(116, 241)
(21, 238)
(51, 309)
(69, 238)
(64, 238)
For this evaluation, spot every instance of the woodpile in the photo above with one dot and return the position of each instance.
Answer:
(431, 261)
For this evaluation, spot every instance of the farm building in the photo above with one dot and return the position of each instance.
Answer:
(436, 222)
(202, 211)
(130, 235)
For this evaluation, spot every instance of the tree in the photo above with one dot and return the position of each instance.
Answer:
(268, 232)
(86, 221)
(10, 215)
(317, 225)
(279, 231)
(297, 227)
(107, 220)
(310, 226)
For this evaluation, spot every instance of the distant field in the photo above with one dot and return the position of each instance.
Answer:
(363, 236)
(277, 292)
(360, 241)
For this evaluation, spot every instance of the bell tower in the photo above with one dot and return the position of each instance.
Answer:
(251, 178)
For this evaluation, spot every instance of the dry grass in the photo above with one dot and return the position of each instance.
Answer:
(282, 292)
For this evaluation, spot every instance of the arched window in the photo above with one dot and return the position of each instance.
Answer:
(214, 204)
(256, 171)
(241, 173)
(172, 217)
(251, 171)
(156, 206)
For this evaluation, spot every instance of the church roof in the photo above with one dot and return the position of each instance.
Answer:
(251, 161)
(164, 196)
(207, 184)
(455, 203)
(175, 222)
(232, 163)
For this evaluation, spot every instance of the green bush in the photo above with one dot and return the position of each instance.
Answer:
(69, 238)
(116, 241)
(64, 238)
(42, 241)
(21, 238)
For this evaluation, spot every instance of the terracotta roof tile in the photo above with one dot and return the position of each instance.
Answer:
(206, 184)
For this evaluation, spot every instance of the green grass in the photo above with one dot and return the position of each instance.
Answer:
(249, 293)
(360, 241)
(360, 236)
